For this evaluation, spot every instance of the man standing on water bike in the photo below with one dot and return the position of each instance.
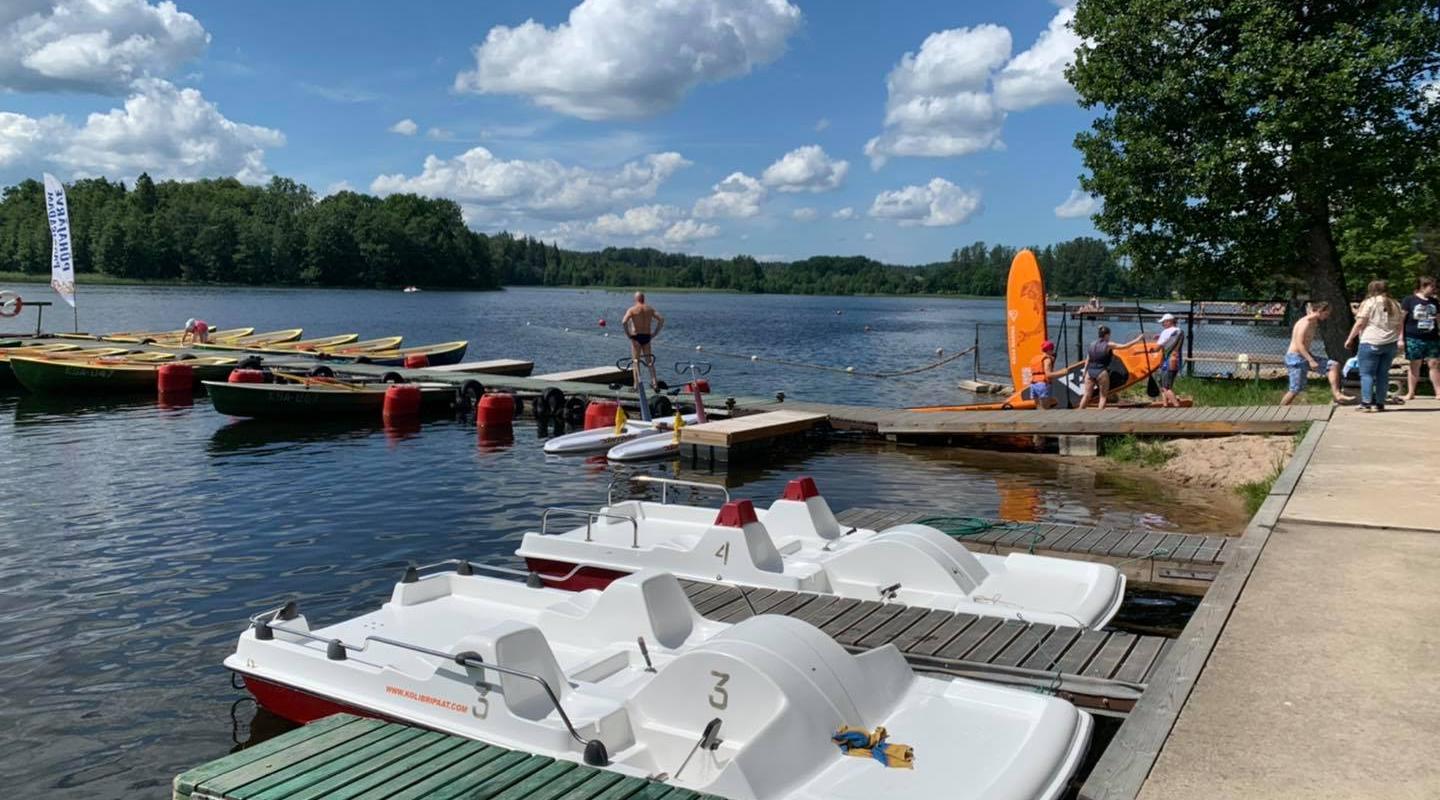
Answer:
(637, 324)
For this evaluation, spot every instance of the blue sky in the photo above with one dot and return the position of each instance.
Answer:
(709, 126)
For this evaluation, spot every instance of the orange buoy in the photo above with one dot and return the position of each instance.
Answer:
(495, 411)
(402, 400)
(417, 361)
(600, 414)
(246, 376)
(175, 378)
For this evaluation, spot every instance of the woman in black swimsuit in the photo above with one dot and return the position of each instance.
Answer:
(1098, 360)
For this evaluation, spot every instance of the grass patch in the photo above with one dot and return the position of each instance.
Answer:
(1130, 449)
(1211, 392)
(1255, 492)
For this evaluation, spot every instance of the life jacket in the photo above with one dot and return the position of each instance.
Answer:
(1037, 367)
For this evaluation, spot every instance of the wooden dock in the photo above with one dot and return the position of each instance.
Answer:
(350, 756)
(723, 440)
(499, 366)
(1104, 671)
(1173, 562)
(601, 375)
(1192, 421)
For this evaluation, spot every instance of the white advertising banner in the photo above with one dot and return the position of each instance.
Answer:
(62, 258)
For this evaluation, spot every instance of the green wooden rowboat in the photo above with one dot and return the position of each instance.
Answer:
(439, 354)
(367, 346)
(318, 399)
(104, 376)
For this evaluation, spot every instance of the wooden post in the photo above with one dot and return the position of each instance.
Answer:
(1190, 341)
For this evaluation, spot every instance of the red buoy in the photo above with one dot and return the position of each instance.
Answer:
(417, 361)
(600, 414)
(402, 400)
(703, 385)
(602, 322)
(495, 411)
(175, 378)
(246, 376)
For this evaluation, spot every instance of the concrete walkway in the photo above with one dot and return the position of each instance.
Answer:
(1326, 679)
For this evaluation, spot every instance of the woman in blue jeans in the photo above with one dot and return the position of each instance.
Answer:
(1379, 328)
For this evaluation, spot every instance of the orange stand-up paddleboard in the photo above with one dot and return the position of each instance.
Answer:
(1025, 331)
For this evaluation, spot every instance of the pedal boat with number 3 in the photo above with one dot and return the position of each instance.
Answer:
(797, 545)
(633, 680)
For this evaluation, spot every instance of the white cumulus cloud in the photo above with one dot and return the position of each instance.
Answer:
(845, 213)
(98, 46)
(544, 188)
(689, 230)
(805, 214)
(636, 221)
(163, 130)
(629, 58)
(1036, 77)
(405, 127)
(937, 203)
(736, 197)
(805, 169)
(1078, 204)
(951, 97)
(939, 101)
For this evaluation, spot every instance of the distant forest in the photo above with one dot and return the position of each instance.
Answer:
(223, 231)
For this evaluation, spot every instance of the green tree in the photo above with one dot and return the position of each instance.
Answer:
(1233, 133)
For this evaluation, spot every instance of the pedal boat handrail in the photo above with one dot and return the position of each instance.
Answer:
(665, 484)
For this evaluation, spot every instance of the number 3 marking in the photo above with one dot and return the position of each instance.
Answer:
(720, 696)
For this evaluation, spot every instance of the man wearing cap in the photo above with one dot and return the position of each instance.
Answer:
(1041, 368)
(198, 328)
(1170, 340)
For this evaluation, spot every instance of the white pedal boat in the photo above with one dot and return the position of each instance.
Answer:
(632, 679)
(797, 545)
(644, 448)
(597, 439)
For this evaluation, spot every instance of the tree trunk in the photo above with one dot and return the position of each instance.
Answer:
(1326, 278)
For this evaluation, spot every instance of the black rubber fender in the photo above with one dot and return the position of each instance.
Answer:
(470, 393)
(575, 409)
(392, 377)
(322, 371)
(660, 406)
(553, 401)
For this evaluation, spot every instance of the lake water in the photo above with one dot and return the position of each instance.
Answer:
(135, 539)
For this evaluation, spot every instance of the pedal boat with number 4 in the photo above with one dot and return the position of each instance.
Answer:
(632, 680)
(797, 545)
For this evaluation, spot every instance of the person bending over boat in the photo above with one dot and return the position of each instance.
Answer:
(1299, 362)
(198, 329)
(1171, 341)
(642, 323)
(1098, 360)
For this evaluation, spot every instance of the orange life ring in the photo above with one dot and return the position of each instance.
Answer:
(10, 304)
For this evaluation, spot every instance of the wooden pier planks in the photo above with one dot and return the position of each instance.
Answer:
(601, 375)
(500, 366)
(350, 756)
(1111, 664)
(750, 428)
(1178, 562)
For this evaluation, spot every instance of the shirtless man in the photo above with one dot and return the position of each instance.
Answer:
(637, 324)
(1299, 362)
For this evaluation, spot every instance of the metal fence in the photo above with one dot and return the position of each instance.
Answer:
(1223, 339)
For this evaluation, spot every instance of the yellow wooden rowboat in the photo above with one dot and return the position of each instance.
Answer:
(367, 346)
(311, 345)
(254, 341)
(174, 337)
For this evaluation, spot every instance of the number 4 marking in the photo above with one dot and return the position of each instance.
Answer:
(723, 553)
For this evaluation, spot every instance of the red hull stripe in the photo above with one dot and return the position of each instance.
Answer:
(584, 578)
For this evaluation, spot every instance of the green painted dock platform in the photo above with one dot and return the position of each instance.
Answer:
(345, 756)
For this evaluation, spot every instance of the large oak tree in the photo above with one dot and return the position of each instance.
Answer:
(1234, 133)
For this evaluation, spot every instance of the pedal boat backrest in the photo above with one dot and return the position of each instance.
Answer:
(647, 604)
(738, 534)
(802, 512)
